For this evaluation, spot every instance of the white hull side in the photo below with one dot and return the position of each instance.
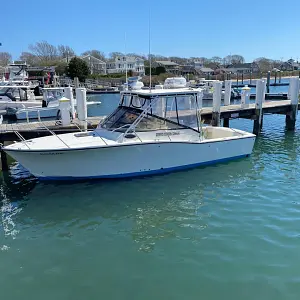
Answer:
(19, 104)
(33, 114)
(130, 160)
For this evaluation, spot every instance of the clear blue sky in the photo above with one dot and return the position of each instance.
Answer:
(253, 28)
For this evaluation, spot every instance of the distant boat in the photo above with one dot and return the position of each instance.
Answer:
(49, 109)
(17, 96)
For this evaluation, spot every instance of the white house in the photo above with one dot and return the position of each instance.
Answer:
(120, 64)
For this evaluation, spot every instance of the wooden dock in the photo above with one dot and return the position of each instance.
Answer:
(37, 129)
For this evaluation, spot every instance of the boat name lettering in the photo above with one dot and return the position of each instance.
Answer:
(51, 153)
(167, 133)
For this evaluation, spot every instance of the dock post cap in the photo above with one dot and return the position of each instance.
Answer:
(64, 99)
(246, 88)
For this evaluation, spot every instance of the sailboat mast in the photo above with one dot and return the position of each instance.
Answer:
(150, 63)
(126, 66)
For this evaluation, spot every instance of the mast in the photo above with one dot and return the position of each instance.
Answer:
(126, 62)
(150, 73)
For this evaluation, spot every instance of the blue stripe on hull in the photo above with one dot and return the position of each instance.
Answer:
(145, 173)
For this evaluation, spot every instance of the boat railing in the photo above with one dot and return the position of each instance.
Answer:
(23, 140)
(19, 135)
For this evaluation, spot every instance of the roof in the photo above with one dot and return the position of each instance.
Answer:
(92, 57)
(165, 92)
(166, 63)
(206, 70)
(67, 59)
(238, 66)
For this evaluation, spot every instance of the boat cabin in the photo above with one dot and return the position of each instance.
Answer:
(152, 110)
(51, 96)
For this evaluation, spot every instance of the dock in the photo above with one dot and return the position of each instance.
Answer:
(38, 129)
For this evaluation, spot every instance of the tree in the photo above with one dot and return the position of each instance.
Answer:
(29, 58)
(65, 51)
(96, 53)
(234, 59)
(44, 51)
(264, 64)
(136, 55)
(113, 55)
(5, 58)
(78, 68)
(61, 68)
(216, 59)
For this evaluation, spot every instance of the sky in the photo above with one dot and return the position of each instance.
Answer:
(256, 28)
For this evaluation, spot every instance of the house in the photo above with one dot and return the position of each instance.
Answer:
(170, 66)
(289, 65)
(206, 71)
(96, 65)
(242, 68)
(123, 63)
(192, 67)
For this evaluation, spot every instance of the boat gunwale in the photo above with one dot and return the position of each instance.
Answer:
(216, 140)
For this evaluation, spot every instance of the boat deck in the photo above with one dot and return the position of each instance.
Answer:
(38, 129)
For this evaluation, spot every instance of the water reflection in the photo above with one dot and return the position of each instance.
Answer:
(146, 209)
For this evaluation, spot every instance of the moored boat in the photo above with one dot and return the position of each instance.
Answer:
(150, 132)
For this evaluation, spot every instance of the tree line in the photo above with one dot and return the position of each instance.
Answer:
(45, 54)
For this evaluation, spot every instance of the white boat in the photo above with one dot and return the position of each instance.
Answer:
(133, 83)
(49, 108)
(150, 132)
(18, 76)
(17, 96)
(175, 82)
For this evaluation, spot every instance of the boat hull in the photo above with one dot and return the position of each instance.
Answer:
(50, 112)
(130, 160)
(19, 104)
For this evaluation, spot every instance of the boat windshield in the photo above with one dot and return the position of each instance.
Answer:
(164, 113)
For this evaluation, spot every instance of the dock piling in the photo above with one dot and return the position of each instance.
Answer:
(216, 103)
(293, 95)
(227, 95)
(268, 81)
(245, 97)
(4, 163)
(227, 98)
(280, 76)
(81, 107)
(260, 95)
(76, 82)
(69, 95)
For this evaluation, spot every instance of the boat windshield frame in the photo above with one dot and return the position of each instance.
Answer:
(114, 121)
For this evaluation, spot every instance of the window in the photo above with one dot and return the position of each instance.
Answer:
(123, 117)
(167, 112)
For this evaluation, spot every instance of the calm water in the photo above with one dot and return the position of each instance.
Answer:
(230, 231)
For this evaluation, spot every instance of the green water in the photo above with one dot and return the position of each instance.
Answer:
(230, 231)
